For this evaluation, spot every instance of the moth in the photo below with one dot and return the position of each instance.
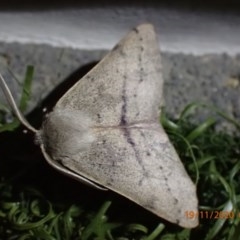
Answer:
(105, 131)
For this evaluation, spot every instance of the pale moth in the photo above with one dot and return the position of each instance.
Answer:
(105, 131)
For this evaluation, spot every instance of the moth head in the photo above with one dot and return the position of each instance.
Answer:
(65, 133)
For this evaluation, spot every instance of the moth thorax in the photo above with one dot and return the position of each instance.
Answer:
(66, 132)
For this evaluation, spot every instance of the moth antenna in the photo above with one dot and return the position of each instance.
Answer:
(14, 106)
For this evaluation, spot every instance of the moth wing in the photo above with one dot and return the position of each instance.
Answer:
(142, 165)
(120, 144)
(127, 82)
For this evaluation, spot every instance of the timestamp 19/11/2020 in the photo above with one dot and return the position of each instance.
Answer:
(211, 214)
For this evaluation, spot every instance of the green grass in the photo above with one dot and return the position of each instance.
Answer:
(38, 203)
(25, 96)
